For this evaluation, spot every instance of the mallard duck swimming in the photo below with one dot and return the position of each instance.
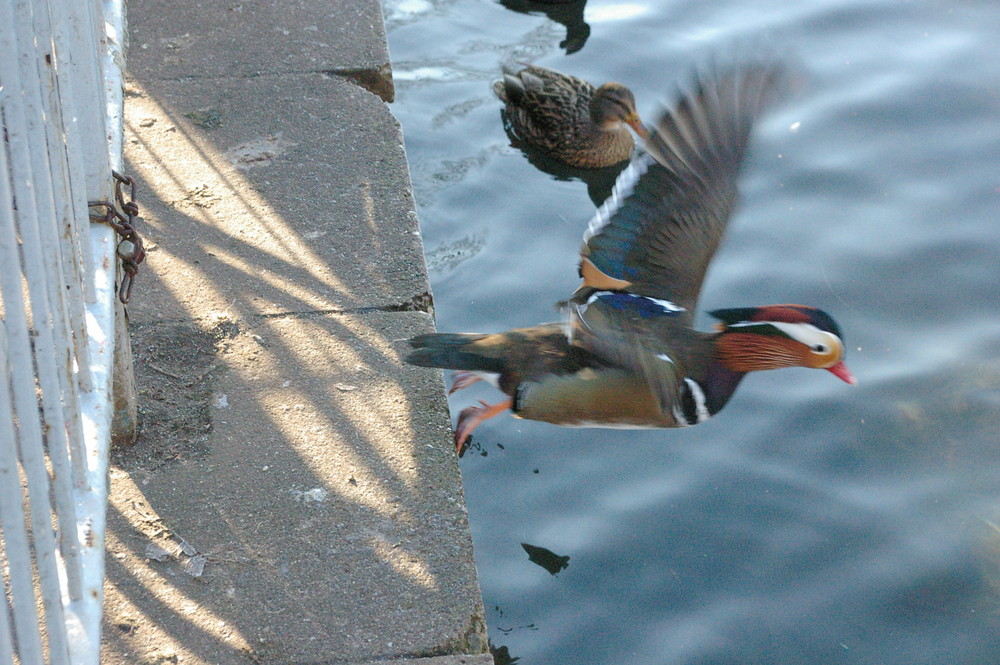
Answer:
(568, 118)
(626, 354)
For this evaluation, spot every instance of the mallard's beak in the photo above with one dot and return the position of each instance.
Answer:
(636, 124)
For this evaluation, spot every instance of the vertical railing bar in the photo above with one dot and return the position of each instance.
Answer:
(58, 248)
(6, 638)
(79, 78)
(6, 434)
(60, 245)
(108, 93)
(16, 338)
(96, 142)
(34, 197)
(78, 119)
(107, 31)
(46, 270)
(50, 19)
(110, 19)
(49, 107)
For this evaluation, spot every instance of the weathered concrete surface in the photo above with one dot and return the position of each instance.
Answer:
(281, 193)
(294, 496)
(245, 38)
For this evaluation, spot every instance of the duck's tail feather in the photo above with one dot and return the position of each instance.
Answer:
(451, 351)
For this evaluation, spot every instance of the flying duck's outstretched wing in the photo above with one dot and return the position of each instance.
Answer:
(657, 233)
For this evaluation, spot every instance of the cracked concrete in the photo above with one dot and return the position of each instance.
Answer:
(293, 496)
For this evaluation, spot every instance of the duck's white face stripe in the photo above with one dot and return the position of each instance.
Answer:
(622, 190)
(805, 333)
(809, 335)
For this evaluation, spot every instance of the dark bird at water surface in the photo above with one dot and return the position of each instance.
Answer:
(625, 353)
(568, 118)
(569, 13)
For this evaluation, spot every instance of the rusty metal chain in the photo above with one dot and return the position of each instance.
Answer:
(121, 215)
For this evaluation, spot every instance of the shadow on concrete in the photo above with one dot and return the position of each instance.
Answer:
(293, 496)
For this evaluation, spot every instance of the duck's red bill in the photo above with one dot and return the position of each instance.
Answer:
(841, 372)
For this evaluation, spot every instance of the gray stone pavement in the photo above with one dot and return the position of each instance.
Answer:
(293, 496)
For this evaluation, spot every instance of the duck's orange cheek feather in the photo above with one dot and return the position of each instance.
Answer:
(754, 353)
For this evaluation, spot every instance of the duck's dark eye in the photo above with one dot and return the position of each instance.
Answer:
(820, 348)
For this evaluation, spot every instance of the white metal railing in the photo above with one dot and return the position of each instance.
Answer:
(60, 107)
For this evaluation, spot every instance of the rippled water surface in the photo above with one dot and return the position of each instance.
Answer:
(809, 522)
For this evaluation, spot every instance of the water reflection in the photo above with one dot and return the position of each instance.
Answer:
(501, 655)
(448, 256)
(569, 14)
(599, 181)
(546, 558)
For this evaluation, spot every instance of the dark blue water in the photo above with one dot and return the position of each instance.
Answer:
(809, 522)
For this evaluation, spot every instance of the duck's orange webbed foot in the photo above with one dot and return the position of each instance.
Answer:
(471, 416)
(462, 379)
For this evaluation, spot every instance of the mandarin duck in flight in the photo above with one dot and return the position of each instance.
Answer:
(625, 353)
(567, 118)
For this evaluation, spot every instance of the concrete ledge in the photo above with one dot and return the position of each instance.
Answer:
(185, 40)
(278, 194)
(293, 497)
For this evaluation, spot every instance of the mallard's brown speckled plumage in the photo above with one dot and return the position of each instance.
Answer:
(568, 118)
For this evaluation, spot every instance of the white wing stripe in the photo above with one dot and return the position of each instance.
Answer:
(622, 190)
